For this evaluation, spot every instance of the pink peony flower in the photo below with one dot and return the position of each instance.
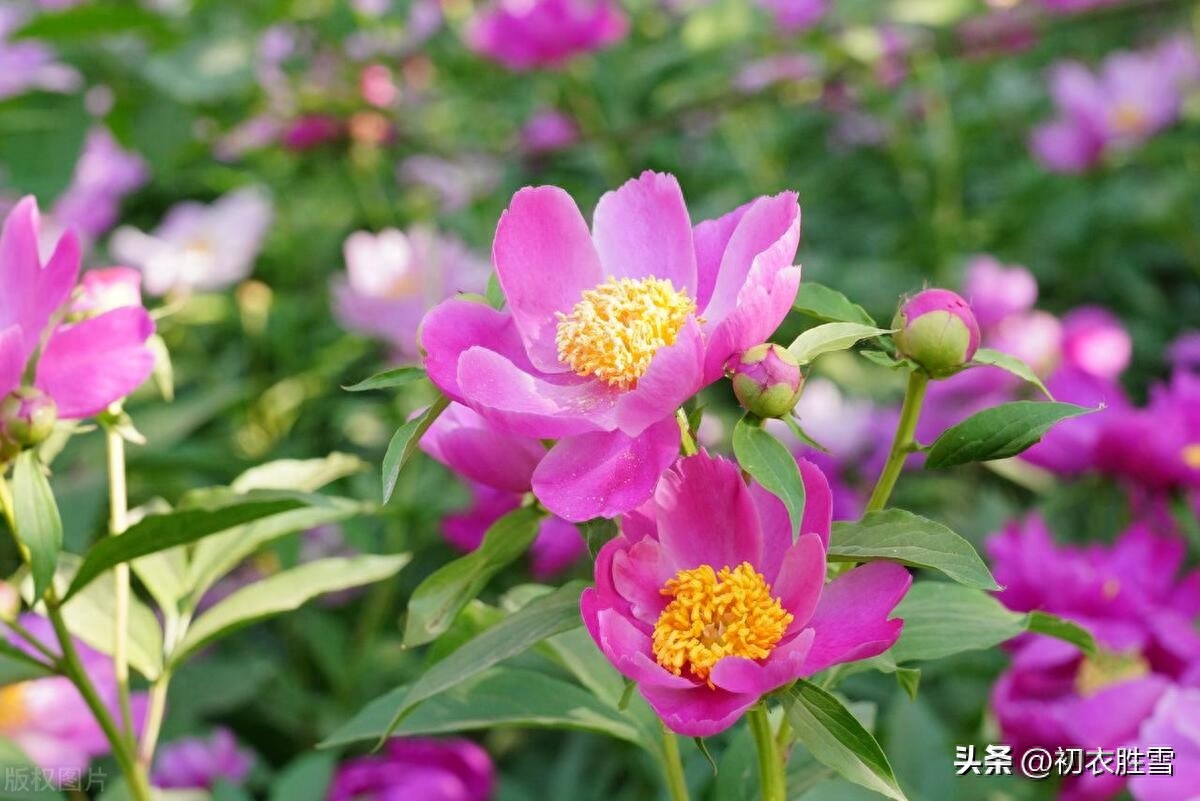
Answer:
(528, 34)
(85, 365)
(417, 768)
(794, 16)
(1175, 724)
(197, 763)
(498, 468)
(607, 333)
(547, 131)
(709, 547)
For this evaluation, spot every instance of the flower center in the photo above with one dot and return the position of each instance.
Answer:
(13, 712)
(714, 615)
(1128, 119)
(1191, 455)
(614, 331)
(1107, 668)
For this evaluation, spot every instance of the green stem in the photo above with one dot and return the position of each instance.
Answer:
(770, 766)
(783, 739)
(673, 767)
(154, 719)
(687, 442)
(139, 786)
(118, 511)
(903, 443)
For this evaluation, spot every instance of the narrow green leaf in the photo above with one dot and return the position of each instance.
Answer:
(829, 305)
(596, 532)
(941, 619)
(772, 465)
(703, 748)
(1011, 364)
(831, 337)
(38, 525)
(300, 475)
(440, 597)
(159, 532)
(835, 738)
(395, 377)
(553, 613)
(895, 535)
(1040, 622)
(91, 21)
(304, 779)
(404, 444)
(501, 697)
(284, 592)
(17, 666)
(998, 432)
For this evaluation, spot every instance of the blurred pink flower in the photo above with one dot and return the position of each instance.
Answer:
(548, 130)
(195, 763)
(27, 64)
(312, 131)
(1175, 724)
(412, 768)
(706, 528)
(455, 182)
(602, 365)
(765, 72)
(83, 365)
(528, 34)
(996, 290)
(104, 175)
(393, 278)
(794, 16)
(198, 246)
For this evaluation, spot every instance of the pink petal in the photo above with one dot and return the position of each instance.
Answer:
(545, 260)
(642, 229)
(44, 290)
(783, 666)
(89, 365)
(1111, 716)
(639, 574)
(711, 238)
(630, 652)
(58, 277)
(776, 527)
(463, 441)
(851, 618)
(453, 327)
(674, 376)
(698, 711)
(706, 515)
(761, 307)
(801, 578)
(604, 474)
(529, 404)
(818, 502)
(558, 546)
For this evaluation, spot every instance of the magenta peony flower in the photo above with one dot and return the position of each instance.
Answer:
(104, 175)
(197, 763)
(607, 333)
(529, 34)
(794, 16)
(197, 246)
(1096, 342)
(393, 278)
(710, 548)
(85, 364)
(1175, 724)
(417, 768)
(48, 718)
(498, 468)
(548, 131)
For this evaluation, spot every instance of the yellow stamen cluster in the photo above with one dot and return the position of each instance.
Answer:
(714, 615)
(614, 331)
(13, 711)
(1107, 668)
(1128, 119)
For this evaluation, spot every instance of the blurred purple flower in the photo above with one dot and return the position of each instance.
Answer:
(794, 16)
(529, 34)
(1095, 341)
(417, 768)
(1175, 724)
(312, 131)
(996, 290)
(195, 763)
(392, 278)
(765, 72)
(1184, 352)
(198, 246)
(104, 175)
(548, 130)
(456, 182)
(27, 64)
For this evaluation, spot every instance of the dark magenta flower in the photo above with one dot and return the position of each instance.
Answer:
(417, 768)
(528, 34)
(195, 763)
(1173, 725)
(547, 131)
(936, 329)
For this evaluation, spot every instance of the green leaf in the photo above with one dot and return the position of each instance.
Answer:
(159, 532)
(38, 527)
(439, 598)
(887, 360)
(304, 779)
(396, 377)
(772, 465)
(1050, 625)
(1011, 364)
(998, 433)
(404, 444)
(553, 613)
(88, 22)
(835, 738)
(831, 337)
(300, 475)
(895, 535)
(17, 666)
(829, 305)
(941, 619)
(501, 697)
(284, 592)
(596, 532)
(164, 575)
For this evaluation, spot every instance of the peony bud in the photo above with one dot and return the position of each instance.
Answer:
(936, 329)
(27, 416)
(766, 380)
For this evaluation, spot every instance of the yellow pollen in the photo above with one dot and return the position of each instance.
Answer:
(1107, 668)
(1191, 455)
(614, 331)
(714, 615)
(1128, 119)
(12, 706)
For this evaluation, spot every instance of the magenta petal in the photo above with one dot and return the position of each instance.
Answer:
(697, 711)
(89, 365)
(776, 526)
(818, 502)
(630, 652)
(453, 327)
(1111, 716)
(642, 229)
(783, 666)
(639, 574)
(545, 260)
(711, 238)
(463, 441)
(761, 306)
(851, 618)
(58, 276)
(675, 375)
(524, 403)
(801, 578)
(706, 515)
(12, 359)
(558, 546)
(603, 474)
